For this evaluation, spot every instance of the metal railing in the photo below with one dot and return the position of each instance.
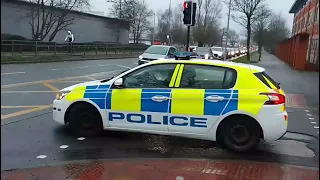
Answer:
(39, 48)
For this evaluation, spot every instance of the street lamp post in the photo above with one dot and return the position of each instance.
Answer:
(226, 43)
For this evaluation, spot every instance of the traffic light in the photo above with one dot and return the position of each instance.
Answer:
(189, 13)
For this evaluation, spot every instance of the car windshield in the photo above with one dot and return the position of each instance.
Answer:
(157, 50)
(202, 51)
(216, 49)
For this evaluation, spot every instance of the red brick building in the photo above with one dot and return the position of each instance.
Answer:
(301, 50)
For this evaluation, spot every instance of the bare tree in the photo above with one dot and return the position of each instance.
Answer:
(260, 28)
(277, 30)
(206, 30)
(163, 26)
(233, 37)
(134, 11)
(246, 15)
(51, 16)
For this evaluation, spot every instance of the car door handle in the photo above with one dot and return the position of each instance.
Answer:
(214, 98)
(159, 98)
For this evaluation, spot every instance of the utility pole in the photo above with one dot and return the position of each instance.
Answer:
(227, 33)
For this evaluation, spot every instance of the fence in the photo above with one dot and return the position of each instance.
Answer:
(35, 48)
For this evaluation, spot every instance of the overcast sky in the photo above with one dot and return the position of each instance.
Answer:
(282, 6)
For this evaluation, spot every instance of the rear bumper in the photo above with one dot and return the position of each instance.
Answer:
(274, 126)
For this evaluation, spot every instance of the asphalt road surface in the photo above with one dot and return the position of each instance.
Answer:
(30, 137)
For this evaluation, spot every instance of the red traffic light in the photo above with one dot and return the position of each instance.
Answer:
(185, 5)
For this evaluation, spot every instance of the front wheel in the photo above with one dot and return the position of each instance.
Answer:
(85, 120)
(240, 134)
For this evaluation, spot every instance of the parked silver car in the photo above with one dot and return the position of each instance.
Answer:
(156, 52)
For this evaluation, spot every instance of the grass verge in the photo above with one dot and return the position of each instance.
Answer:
(18, 59)
(253, 58)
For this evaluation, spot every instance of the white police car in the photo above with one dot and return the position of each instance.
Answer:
(235, 104)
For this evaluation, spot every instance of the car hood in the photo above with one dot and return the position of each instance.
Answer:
(152, 56)
(90, 83)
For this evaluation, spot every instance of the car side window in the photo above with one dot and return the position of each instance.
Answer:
(207, 77)
(153, 76)
(171, 51)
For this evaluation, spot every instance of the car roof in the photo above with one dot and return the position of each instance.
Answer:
(162, 45)
(230, 64)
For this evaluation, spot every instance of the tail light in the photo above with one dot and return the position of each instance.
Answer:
(274, 98)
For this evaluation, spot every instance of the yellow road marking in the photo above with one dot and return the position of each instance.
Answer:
(53, 80)
(10, 107)
(19, 113)
(91, 78)
(67, 81)
(9, 92)
(53, 88)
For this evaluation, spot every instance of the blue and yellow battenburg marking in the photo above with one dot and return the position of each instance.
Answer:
(182, 101)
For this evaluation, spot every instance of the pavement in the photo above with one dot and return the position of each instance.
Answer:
(33, 146)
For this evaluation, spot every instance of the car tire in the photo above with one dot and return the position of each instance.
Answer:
(250, 128)
(85, 120)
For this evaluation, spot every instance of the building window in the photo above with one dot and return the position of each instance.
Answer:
(306, 21)
(317, 14)
(310, 19)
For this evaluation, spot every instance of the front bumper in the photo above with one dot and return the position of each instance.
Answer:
(59, 110)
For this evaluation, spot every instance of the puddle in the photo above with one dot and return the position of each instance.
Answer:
(288, 147)
(297, 136)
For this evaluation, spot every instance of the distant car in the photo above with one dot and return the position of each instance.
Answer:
(157, 52)
(218, 52)
(238, 52)
(193, 47)
(204, 52)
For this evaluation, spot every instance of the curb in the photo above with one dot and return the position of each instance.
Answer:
(71, 59)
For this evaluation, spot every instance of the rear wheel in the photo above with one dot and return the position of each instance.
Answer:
(85, 120)
(240, 133)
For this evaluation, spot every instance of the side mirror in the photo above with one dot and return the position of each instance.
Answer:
(118, 82)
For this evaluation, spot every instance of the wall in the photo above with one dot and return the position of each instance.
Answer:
(301, 51)
(86, 27)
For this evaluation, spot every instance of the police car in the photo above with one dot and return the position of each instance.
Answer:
(232, 103)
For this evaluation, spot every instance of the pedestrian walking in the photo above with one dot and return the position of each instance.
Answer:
(69, 38)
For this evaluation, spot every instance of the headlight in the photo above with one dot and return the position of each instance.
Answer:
(61, 95)
(140, 57)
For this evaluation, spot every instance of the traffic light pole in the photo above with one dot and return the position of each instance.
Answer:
(188, 39)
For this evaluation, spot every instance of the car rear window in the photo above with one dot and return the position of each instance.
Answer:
(263, 75)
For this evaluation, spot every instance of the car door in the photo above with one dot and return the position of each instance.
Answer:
(143, 101)
(202, 94)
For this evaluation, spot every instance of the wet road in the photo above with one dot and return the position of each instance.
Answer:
(30, 138)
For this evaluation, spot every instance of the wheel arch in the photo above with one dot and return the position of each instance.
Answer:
(237, 114)
(82, 101)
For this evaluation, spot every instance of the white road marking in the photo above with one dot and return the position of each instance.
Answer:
(57, 69)
(313, 122)
(64, 146)
(309, 114)
(179, 178)
(81, 138)
(41, 156)
(306, 110)
(12, 73)
(101, 65)
(80, 67)
(311, 118)
(123, 66)
(316, 127)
